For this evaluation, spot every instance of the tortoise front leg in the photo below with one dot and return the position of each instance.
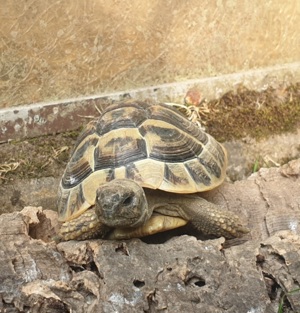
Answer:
(86, 226)
(207, 217)
(210, 219)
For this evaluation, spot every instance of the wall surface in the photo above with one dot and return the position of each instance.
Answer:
(52, 50)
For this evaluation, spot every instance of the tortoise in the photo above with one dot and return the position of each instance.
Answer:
(136, 170)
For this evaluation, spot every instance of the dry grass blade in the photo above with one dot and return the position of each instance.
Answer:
(57, 152)
(100, 110)
(54, 156)
(8, 167)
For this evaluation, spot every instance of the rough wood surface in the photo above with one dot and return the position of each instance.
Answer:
(181, 275)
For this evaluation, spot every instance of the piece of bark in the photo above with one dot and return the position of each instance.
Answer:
(181, 275)
(267, 201)
(24, 260)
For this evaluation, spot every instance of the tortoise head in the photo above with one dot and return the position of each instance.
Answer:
(122, 203)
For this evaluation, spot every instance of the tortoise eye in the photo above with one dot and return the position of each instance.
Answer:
(128, 200)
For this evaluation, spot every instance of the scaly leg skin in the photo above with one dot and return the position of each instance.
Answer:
(212, 220)
(86, 226)
(207, 217)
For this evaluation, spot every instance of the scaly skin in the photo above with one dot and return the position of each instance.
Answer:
(86, 226)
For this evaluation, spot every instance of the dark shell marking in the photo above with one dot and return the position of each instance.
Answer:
(151, 144)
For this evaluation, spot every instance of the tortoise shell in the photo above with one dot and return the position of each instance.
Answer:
(153, 145)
